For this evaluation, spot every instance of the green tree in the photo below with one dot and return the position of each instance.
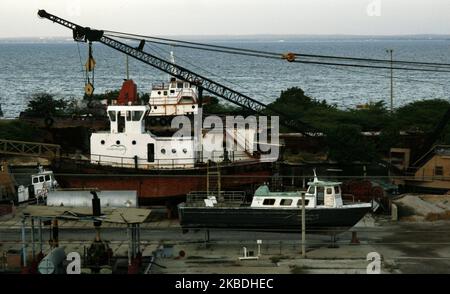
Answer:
(347, 144)
(389, 137)
(45, 104)
(213, 106)
(421, 115)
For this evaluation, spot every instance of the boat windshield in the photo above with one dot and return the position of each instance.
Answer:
(112, 115)
(311, 190)
(137, 115)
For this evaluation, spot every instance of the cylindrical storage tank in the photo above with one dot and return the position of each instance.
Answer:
(84, 198)
(51, 264)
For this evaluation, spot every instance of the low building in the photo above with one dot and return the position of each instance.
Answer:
(430, 173)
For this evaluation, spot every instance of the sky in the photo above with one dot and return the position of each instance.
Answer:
(18, 18)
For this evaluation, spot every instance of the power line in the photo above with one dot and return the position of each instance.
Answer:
(387, 76)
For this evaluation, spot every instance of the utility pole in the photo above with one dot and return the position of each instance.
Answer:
(391, 52)
(303, 226)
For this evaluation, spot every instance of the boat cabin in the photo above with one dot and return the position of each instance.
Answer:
(326, 194)
(129, 144)
(174, 98)
(43, 182)
(319, 194)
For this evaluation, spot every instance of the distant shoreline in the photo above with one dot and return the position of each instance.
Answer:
(274, 38)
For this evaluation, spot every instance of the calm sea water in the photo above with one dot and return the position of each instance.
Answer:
(30, 67)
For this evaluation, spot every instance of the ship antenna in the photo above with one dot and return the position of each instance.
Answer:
(172, 60)
(315, 175)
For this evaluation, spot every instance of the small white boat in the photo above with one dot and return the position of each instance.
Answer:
(325, 210)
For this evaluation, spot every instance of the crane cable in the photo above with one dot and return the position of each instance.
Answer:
(336, 67)
(81, 63)
(291, 57)
(258, 53)
(207, 71)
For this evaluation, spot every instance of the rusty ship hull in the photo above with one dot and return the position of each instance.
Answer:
(160, 186)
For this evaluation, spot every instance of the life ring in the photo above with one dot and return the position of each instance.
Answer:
(48, 121)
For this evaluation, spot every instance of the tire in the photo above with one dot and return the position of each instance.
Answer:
(163, 121)
(153, 121)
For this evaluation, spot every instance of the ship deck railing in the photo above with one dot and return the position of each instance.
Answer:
(224, 198)
(184, 162)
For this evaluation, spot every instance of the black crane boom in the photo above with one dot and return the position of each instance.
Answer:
(87, 34)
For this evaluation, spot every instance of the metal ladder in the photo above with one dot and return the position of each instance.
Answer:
(213, 179)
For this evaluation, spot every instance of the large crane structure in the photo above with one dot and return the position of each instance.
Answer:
(86, 34)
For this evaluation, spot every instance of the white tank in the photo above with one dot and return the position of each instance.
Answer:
(84, 198)
(52, 263)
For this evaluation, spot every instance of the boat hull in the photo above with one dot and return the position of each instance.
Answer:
(159, 185)
(318, 220)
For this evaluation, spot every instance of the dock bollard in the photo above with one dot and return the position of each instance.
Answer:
(354, 238)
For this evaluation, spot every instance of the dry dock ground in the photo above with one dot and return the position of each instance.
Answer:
(404, 247)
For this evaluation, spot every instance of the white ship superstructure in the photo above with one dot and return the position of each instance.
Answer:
(129, 144)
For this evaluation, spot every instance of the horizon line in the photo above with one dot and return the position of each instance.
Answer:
(255, 35)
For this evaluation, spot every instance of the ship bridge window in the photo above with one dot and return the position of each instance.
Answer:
(172, 91)
(47, 178)
(35, 180)
(112, 115)
(286, 202)
(165, 93)
(311, 190)
(41, 179)
(269, 201)
(136, 115)
(186, 85)
(329, 191)
(337, 190)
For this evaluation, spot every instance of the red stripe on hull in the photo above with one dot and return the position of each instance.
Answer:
(162, 186)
